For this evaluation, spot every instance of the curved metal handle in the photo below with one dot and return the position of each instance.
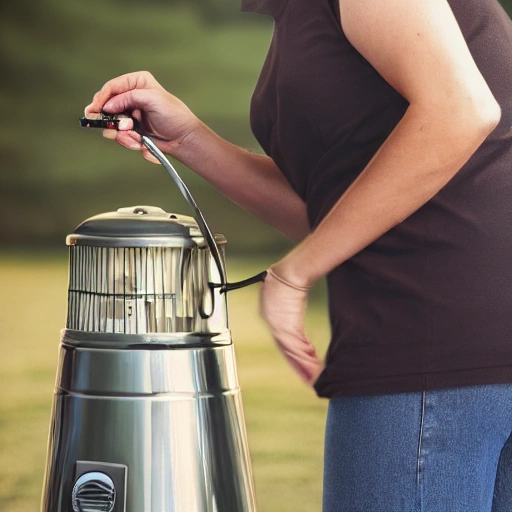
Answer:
(198, 215)
(201, 222)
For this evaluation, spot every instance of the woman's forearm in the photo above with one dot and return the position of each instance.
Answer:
(252, 181)
(422, 154)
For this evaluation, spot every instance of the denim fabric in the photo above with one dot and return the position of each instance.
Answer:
(446, 450)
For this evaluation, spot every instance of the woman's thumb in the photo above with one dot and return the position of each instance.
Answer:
(125, 102)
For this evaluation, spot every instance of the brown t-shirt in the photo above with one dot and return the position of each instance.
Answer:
(429, 304)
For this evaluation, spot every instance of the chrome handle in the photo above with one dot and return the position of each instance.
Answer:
(201, 222)
(198, 214)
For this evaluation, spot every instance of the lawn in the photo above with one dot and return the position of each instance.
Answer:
(285, 421)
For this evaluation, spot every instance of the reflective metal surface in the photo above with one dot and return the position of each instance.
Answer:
(135, 290)
(147, 391)
(174, 417)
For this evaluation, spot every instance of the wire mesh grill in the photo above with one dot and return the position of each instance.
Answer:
(136, 290)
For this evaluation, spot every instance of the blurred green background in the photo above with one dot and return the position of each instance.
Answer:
(54, 55)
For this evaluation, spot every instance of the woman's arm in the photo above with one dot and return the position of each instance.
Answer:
(252, 181)
(418, 48)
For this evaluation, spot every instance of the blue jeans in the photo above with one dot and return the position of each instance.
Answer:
(447, 450)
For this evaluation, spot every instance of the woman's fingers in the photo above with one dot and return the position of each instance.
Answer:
(303, 358)
(119, 86)
(125, 124)
(130, 140)
(308, 366)
(149, 157)
(110, 134)
(128, 101)
(300, 353)
(283, 307)
(127, 139)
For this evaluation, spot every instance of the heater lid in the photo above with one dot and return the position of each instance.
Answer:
(137, 226)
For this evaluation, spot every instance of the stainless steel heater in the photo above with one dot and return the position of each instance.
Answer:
(147, 413)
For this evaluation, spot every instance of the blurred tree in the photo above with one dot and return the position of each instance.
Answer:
(55, 54)
(507, 4)
(217, 11)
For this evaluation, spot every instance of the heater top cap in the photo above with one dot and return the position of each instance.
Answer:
(139, 226)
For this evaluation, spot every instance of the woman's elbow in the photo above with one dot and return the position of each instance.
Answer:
(486, 115)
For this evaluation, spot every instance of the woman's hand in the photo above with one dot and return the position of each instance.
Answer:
(252, 181)
(160, 114)
(283, 307)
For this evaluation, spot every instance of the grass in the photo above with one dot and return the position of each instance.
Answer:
(285, 421)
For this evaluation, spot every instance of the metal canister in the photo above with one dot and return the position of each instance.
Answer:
(147, 413)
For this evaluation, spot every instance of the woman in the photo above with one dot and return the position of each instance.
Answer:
(387, 126)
